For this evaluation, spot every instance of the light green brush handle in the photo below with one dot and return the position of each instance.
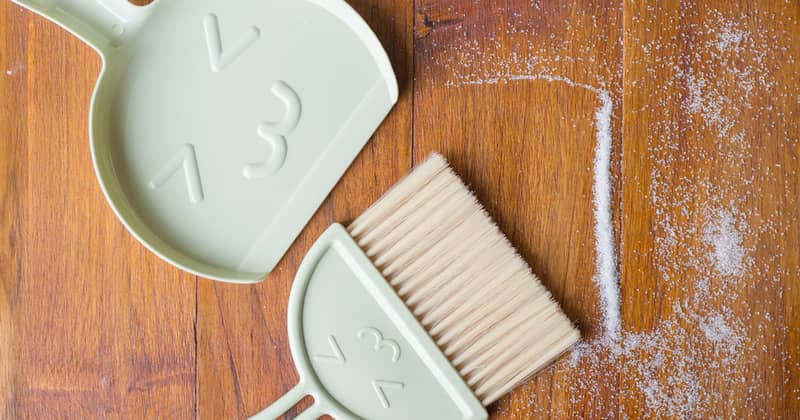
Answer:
(359, 350)
(292, 397)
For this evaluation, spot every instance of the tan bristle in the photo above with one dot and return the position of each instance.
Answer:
(463, 280)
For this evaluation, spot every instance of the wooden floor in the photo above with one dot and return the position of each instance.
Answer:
(706, 199)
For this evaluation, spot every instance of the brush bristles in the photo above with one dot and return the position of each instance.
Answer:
(463, 280)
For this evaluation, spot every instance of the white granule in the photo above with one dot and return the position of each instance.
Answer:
(606, 276)
(705, 232)
(729, 35)
(728, 255)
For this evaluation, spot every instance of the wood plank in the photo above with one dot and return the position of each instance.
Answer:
(502, 92)
(12, 182)
(711, 258)
(244, 361)
(100, 326)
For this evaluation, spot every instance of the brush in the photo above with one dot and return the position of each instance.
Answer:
(421, 308)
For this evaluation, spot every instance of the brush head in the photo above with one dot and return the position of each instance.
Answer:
(462, 279)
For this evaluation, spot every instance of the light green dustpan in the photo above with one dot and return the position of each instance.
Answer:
(218, 127)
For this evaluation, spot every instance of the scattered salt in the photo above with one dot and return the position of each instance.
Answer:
(702, 228)
(728, 255)
(606, 266)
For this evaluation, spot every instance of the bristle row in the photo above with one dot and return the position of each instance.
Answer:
(463, 280)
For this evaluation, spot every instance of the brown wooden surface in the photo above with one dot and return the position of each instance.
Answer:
(705, 129)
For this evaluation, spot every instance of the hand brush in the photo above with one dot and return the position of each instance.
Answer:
(420, 309)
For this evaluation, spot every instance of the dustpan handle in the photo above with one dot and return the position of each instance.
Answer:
(103, 24)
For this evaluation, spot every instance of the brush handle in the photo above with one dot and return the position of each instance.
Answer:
(287, 401)
(321, 405)
(359, 350)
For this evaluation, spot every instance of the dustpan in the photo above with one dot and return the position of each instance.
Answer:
(218, 127)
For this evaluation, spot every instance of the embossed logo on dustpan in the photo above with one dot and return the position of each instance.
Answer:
(219, 127)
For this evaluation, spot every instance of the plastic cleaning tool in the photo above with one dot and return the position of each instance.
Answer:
(218, 127)
(420, 309)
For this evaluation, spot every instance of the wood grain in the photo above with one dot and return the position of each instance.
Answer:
(98, 326)
(12, 162)
(706, 134)
(711, 132)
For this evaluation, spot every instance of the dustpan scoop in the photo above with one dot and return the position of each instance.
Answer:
(217, 128)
